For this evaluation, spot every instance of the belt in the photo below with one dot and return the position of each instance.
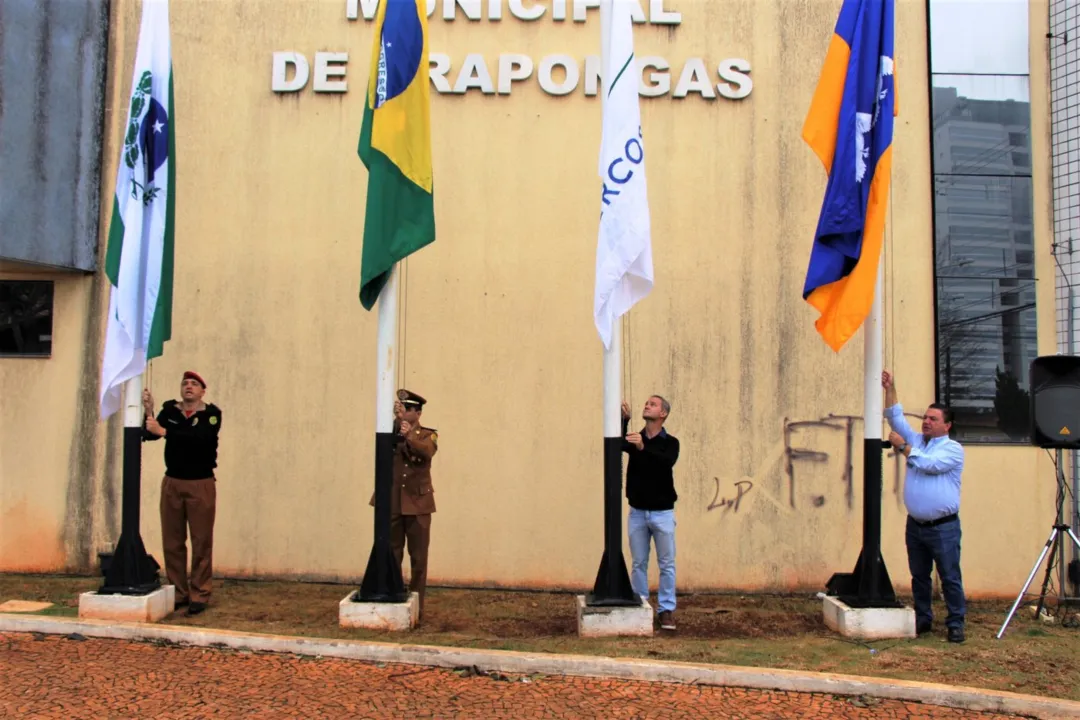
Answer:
(933, 523)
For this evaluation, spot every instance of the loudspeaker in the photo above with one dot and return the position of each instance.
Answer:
(1055, 401)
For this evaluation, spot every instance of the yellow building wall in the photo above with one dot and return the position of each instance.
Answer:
(497, 328)
(56, 502)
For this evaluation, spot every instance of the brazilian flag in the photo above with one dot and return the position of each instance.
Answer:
(395, 145)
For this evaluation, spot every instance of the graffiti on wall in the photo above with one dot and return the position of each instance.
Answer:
(817, 448)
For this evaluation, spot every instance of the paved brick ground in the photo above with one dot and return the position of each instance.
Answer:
(56, 677)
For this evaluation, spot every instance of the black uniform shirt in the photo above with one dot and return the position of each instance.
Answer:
(190, 442)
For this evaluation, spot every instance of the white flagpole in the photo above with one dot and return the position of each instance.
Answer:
(134, 414)
(382, 580)
(131, 570)
(386, 347)
(874, 585)
(612, 354)
(873, 404)
(612, 586)
(613, 384)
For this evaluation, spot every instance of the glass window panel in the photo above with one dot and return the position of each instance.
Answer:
(981, 125)
(985, 303)
(26, 311)
(979, 36)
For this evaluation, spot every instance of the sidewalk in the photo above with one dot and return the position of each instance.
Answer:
(56, 677)
(801, 692)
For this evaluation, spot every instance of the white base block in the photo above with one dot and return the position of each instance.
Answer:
(379, 616)
(128, 608)
(614, 621)
(868, 623)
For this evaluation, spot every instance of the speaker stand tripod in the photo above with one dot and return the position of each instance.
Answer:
(1054, 544)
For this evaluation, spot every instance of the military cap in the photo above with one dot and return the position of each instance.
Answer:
(410, 399)
(192, 375)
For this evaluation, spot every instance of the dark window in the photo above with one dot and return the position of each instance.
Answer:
(26, 312)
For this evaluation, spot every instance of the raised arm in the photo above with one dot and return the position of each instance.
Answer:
(147, 435)
(421, 444)
(889, 383)
(894, 413)
(668, 453)
(148, 412)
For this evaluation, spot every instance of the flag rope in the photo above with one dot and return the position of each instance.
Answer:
(888, 312)
(404, 320)
(628, 354)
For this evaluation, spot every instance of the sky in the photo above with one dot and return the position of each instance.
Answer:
(982, 37)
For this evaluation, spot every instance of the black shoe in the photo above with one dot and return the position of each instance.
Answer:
(924, 629)
(181, 603)
(956, 634)
(195, 608)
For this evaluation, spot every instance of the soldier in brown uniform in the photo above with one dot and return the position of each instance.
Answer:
(412, 500)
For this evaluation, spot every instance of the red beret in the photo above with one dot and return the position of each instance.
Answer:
(191, 374)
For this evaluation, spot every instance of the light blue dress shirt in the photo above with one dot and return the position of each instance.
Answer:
(932, 484)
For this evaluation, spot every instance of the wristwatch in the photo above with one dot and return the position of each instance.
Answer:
(902, 448)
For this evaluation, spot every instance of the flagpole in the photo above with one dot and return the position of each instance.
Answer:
(131, 570)
(612, 586)
(382, 580)
(874, 586)
(869, 585)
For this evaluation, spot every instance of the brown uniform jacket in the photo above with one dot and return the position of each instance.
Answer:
(412, 492)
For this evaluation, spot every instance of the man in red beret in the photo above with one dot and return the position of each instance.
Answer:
(188, 490)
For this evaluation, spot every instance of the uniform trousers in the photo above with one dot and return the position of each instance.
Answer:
(417, 530)
(189, 505)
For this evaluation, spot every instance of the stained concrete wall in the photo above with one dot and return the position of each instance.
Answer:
(52, 91)
(496, 315)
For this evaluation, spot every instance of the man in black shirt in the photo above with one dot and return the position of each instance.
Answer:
(650, 491)
(188, 491)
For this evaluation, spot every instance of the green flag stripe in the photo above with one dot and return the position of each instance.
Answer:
(616, 80)
(398, 221)
(161, 328)
(116, 243)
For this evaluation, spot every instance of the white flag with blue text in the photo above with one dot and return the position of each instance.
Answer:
(624, 269)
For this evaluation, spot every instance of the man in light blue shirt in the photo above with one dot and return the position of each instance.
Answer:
(932, 498)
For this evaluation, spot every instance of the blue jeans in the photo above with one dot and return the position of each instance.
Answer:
(941, 545)
(659, 525)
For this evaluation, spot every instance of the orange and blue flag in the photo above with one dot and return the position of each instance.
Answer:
(850, 128)
(395, 145)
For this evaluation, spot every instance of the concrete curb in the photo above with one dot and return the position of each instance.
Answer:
(577, 665)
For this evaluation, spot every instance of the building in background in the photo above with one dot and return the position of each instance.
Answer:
(1064, 53)
(52, 78)
(496, 315)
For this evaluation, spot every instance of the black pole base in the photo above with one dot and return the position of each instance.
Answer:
(864, 588)
(131, 570)
(382, 581)
(612, 587)
(868, 586)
